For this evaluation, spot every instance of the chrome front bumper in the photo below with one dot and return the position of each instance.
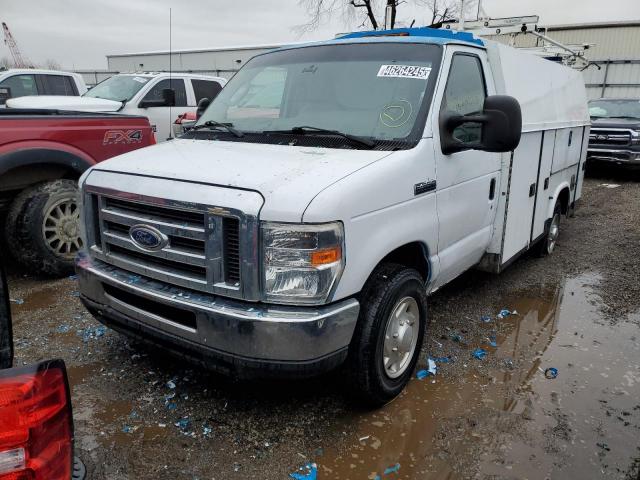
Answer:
(227, 335)
(621, 156)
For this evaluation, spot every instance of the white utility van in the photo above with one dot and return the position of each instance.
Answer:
(326, 191)
(19, 82)
(159, 96)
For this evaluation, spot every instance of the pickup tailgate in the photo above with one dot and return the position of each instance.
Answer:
(98, 136)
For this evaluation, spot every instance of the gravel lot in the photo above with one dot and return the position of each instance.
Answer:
(141, 415)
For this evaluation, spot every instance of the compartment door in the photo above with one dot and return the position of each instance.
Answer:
(521, 195)
(544, 177)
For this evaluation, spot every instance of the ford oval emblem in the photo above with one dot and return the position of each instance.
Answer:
(146, 237)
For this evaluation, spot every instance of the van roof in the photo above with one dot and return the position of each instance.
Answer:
(422, 34)
(400, 35)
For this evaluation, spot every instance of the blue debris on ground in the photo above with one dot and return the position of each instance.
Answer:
(17, 301)
(551, 373)
(75, 293)
(128, 429)
(442, 359)
(492, 341)
(422, 374)
(308, 472)
(183, 423)
(92, 332)
(63, 328)
(479, 353)
(393, 469)
(485, 318)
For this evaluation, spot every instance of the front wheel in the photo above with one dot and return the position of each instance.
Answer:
(388, 338)
(548, 244)
(43, 227)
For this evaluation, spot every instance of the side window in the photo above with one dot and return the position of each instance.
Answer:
(205, 89)
(178, 86)
(262, 97)
(464, 94)
(21, 85)
(58, 85)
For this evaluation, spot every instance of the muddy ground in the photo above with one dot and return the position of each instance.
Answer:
(141, 415)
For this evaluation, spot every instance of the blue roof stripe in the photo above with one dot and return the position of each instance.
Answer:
(442, 35)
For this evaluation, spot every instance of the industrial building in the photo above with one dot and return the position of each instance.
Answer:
(613, 50)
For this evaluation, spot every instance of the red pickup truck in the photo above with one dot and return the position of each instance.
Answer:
(42, 155)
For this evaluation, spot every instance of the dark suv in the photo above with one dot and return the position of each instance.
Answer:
(615, 131)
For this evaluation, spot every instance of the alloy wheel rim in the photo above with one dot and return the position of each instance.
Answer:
(61, 228)
(401, 337)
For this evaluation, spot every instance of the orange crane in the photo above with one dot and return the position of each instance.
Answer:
(18, 59)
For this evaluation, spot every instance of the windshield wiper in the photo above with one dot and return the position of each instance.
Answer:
(212, 124)
(304, 129)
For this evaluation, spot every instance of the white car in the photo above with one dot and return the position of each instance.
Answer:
(325, 193)
(31, 82)
(145, 94)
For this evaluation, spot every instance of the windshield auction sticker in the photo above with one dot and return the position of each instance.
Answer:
(405, 71)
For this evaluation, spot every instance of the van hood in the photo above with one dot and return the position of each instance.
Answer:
(288, 177)
(61, 102)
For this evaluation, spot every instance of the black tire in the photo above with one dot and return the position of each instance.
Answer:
(547, 245)
(369, 380)
(30, 241)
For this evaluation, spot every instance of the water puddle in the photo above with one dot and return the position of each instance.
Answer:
(500, 416)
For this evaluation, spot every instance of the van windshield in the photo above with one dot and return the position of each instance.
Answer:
(377, 91)
(119, 87)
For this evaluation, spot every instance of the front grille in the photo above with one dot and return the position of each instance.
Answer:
(231, 240)
(202, 250)
(608, 137)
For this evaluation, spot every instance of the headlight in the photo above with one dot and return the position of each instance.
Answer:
(301, 262)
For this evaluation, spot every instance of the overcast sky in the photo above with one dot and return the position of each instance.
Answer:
(79, 33)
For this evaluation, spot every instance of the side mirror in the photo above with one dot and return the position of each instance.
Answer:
(168, 100)
(500, 121)
(203, 104)
(5, 94)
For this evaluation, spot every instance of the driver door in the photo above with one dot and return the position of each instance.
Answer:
(162, 118)
(467, 180)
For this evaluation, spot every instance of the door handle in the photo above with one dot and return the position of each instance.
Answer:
(492, 189)
(532, 189)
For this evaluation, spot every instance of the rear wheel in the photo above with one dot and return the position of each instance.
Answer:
(548, 244)
(43, 227)
(387, 341)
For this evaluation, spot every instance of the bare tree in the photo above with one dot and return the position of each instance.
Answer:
(440, 11)
(443, 11)
(52, 64)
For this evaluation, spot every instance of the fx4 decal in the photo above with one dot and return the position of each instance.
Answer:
(113, 137)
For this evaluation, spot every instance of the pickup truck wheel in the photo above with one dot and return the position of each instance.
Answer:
(43, 227)
(388, 337)
(548, 244)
